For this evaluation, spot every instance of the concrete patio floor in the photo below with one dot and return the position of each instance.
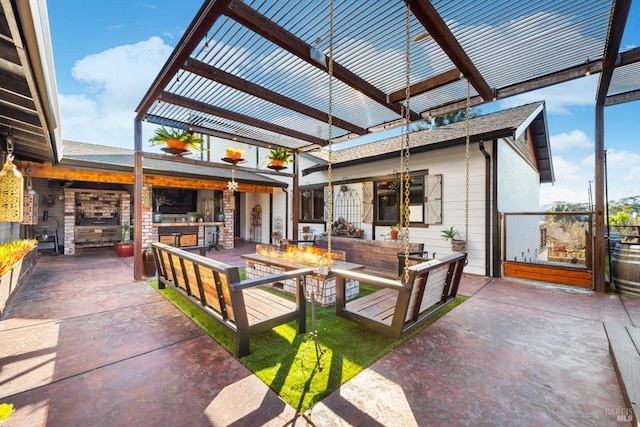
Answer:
(81, 344)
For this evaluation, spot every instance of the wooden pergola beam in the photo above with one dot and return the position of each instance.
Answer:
(271, 31)
(209, 13)
(440, 32)
(622, 98)
(203, 107)
(212, 73)
(426, 85)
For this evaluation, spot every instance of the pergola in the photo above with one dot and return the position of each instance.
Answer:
(257, 71)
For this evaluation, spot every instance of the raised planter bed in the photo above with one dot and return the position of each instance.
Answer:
(15, 276)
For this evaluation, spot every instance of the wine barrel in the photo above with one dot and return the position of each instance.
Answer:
(626, 268)
(148, 264)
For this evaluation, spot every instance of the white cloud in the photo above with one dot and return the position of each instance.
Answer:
(570, 141)
(554, 193)
(114, 82)
(575, 93)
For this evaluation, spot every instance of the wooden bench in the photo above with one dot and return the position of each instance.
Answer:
(238, 305)
(382, 257)
(399, 306)
(624, 342)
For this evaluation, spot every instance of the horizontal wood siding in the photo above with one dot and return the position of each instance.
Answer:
(550, 274)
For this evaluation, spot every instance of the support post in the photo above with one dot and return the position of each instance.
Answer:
(600, 203)
(295, 195)
(137, 201)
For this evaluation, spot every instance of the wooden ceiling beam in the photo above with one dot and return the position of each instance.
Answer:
(17, 101)
(278, 35)
(48, 171)
(232, 115)
(440, 32)
(426, 85)
(212, 73)
(612, 47)
(209, 13)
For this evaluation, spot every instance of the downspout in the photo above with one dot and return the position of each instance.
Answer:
(496, 247)
(487, 208)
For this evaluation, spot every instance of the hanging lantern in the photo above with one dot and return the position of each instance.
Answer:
(11, 183)
(30, 204)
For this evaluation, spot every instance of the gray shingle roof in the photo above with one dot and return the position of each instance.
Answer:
(93, 156)
(505, 123)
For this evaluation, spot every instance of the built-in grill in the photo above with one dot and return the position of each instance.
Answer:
(95, 232)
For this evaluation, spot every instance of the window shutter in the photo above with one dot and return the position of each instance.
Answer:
(433, 199)
(367, 202)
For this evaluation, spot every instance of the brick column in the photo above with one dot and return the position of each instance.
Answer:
(69, 222)
(148, 229)
(229, 204)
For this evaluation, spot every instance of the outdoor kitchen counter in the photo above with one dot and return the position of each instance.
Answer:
(187, 224)
(325, 285)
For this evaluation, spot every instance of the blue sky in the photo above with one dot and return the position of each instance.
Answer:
(107, 53)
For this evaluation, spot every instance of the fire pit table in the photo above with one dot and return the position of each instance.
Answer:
(270, 259)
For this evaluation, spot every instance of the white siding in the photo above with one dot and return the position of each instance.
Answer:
(518, 191)
(450, 163)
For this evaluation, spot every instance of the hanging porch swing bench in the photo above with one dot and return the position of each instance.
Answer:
(402, 305)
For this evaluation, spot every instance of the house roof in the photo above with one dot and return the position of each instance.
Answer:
(28, 94)
(510, 123)
(100, 157)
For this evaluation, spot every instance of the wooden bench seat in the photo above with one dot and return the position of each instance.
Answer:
(380, 257)
(401, 305)
(241, 306)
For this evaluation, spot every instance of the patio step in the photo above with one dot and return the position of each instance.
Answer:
(624, 345)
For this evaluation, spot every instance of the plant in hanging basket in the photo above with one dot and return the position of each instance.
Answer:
(279, 157)
(233, 153)
(177, 139)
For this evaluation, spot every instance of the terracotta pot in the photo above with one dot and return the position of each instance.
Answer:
(394, 234)
(123, 250)
(176, 143)
(233, 155)
(276, 163)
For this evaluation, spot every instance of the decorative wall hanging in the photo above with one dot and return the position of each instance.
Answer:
(30, 203)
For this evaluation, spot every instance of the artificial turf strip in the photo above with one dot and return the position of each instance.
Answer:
(287, 363)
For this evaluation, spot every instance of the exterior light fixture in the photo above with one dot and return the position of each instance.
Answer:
(588, 70)
(11, 183)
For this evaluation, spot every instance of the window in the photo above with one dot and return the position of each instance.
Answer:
(312, 204)
(388, 195)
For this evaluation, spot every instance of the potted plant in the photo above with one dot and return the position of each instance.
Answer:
(160, 199)
(450, 234)
(279, 157)
(177, 139)
(233, 153)
(395, 229)
(125, 247)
